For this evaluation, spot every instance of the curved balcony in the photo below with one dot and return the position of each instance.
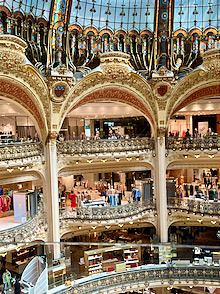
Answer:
(110, 215)
(195, 206)
(84, 147)
(187, 143)
(144, 277)
(11, 153)
(34, 228)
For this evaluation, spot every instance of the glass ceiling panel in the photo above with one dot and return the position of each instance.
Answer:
(39, 8)
(196, 13)
(114, 14)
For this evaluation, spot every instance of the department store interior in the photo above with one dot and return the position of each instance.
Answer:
(109, 146)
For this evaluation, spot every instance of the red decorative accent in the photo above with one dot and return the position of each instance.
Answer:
(162, 90)
(207, 92)
(5, 9)
(116, 95)
(21, 96)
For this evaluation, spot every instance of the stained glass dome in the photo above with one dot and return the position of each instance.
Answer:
(36, 8)
(115, 14)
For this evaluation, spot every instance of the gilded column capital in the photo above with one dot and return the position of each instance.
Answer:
(52, 137)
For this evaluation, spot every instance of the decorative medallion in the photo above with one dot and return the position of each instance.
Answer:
(59, 90)
(162, 90)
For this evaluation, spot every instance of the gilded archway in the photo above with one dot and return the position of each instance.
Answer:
(201, 83)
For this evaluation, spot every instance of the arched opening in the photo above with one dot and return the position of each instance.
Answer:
(108, 116)
(18, 94)
(194, 136)
(20, 138)
(100, 116)
(116, 96)
(17, 123)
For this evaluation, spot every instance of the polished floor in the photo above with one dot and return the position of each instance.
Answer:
(7, 223)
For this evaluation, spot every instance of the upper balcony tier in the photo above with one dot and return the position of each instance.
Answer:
(194, 144)
(13, 154)
(79, 147)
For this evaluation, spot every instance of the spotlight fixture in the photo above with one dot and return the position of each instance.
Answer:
(90, 161)
(185, 156)
(80, 228)
(117, 159)
(211, 155)
(137, 158)
(77, 162)
(199, 220)
(131, 223)
(188, 218)
(21, 167)
(107, 227)
(103, 160)
(10, 170)
(197, 155)
(93, 227)
(129, 158)
(120, 225)
(213, 222)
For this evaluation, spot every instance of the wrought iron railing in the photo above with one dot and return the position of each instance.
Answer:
(105, 146)
(144, 277)
(13, 151)
(109, 212)
(193, 206)
(188, 143)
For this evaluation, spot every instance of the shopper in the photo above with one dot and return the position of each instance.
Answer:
(188, 134)
(6, 277)
(17, 286)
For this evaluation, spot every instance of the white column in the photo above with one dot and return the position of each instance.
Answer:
(52, 195)
(160, 189)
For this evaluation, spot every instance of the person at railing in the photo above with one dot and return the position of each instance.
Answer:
(210, 133)
(97, 136)
(196, 134)
(187, 134)
(170, 135)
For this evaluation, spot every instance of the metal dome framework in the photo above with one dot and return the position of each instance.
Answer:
(154, 33)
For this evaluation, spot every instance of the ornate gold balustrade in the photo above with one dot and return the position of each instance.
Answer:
(34, 228)
(194, 206)
(205, 143)
(78, 147)
(144, 277)
(99, 214)
(16, 151)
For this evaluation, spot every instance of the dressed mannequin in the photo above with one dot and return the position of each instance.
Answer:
(73, 197)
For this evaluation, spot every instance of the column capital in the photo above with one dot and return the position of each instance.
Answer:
(52, 137)
(161, 131)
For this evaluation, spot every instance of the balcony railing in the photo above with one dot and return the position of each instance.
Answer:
(105, 146)
(187, 143)
(14, 151)
(193, 206)
(144, 277)
(110, 212)
(25, 232)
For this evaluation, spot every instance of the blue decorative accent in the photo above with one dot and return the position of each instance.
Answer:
(164, 15)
